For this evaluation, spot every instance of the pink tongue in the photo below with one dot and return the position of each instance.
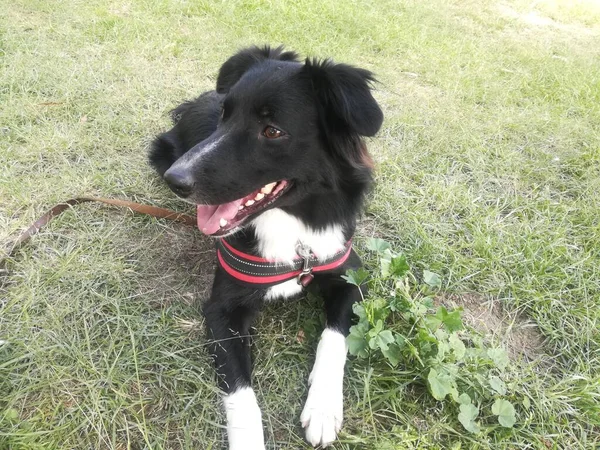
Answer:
(209, 216)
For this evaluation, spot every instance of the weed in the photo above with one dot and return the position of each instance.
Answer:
(400, 323)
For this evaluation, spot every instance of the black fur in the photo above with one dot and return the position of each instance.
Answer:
(237, 65)
(217, 147)
(194, 121)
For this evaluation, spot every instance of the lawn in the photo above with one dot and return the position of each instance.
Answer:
(488, 173)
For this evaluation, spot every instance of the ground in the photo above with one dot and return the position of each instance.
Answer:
(488, 172)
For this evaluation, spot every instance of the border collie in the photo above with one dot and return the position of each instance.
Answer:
(275, 163)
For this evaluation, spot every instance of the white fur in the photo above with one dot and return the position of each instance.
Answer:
(278, 233)
(324, 409)
(283, 290)
(244, 422)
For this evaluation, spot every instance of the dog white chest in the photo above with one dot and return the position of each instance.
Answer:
(278, 234)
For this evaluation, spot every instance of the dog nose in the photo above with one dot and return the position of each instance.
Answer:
(180, 181)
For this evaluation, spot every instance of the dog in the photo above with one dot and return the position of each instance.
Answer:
(275, 161)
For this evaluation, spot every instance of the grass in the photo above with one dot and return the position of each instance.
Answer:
(488, 173)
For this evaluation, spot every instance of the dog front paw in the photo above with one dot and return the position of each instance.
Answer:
(244, 424)
(323, 414)
(324, 409)
(247, 438)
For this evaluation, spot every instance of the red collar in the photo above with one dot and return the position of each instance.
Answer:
(254, 271)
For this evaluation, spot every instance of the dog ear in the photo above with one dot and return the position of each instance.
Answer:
(238, 64)
(344, 94)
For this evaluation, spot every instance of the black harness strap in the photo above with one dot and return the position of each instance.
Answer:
(255, 271)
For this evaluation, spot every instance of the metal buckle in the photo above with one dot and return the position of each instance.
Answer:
(305, 253)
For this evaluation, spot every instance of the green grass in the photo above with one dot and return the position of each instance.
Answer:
(488, 173)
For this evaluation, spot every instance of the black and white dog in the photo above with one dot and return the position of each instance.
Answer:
(275, 162)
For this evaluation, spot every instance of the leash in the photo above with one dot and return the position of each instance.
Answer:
(243, 268)
(154, 211)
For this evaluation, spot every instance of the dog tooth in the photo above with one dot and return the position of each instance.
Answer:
(267, 188)
(259, 196)
(222, 222)
(241, 207)
(249, 203)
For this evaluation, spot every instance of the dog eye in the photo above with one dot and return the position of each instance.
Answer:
(272, 133)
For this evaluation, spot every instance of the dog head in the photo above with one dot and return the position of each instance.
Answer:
(287, 130)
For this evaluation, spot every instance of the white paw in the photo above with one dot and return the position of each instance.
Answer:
(323, 414)
(324, 409)
(244, 423)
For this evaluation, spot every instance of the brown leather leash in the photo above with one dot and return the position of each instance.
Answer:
(35, 227)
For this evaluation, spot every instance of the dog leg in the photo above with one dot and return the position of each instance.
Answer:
(244, 422)
(324, 409)
(228, 328)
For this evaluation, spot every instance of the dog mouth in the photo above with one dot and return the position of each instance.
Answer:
(217, 220)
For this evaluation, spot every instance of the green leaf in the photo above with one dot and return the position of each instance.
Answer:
(433, 322)
(441, 335)
(526, 403)
(398, 266)
(467, 415)
(359, 310)
(451, 320)
(382, 340)
(393, 354)
(505, 412)
(378, 327)
(443, 349)
(427, 302)
(432, 279)
(425, 335)
(498, 385)
(357, 344)
(400, 341)
(499, 357)
(457, 346)
(418, 309)
(464, 399)
(377, 309)
(356, 277)
(386, 260)
(362, 327)
(441, 384)
(377, 245)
